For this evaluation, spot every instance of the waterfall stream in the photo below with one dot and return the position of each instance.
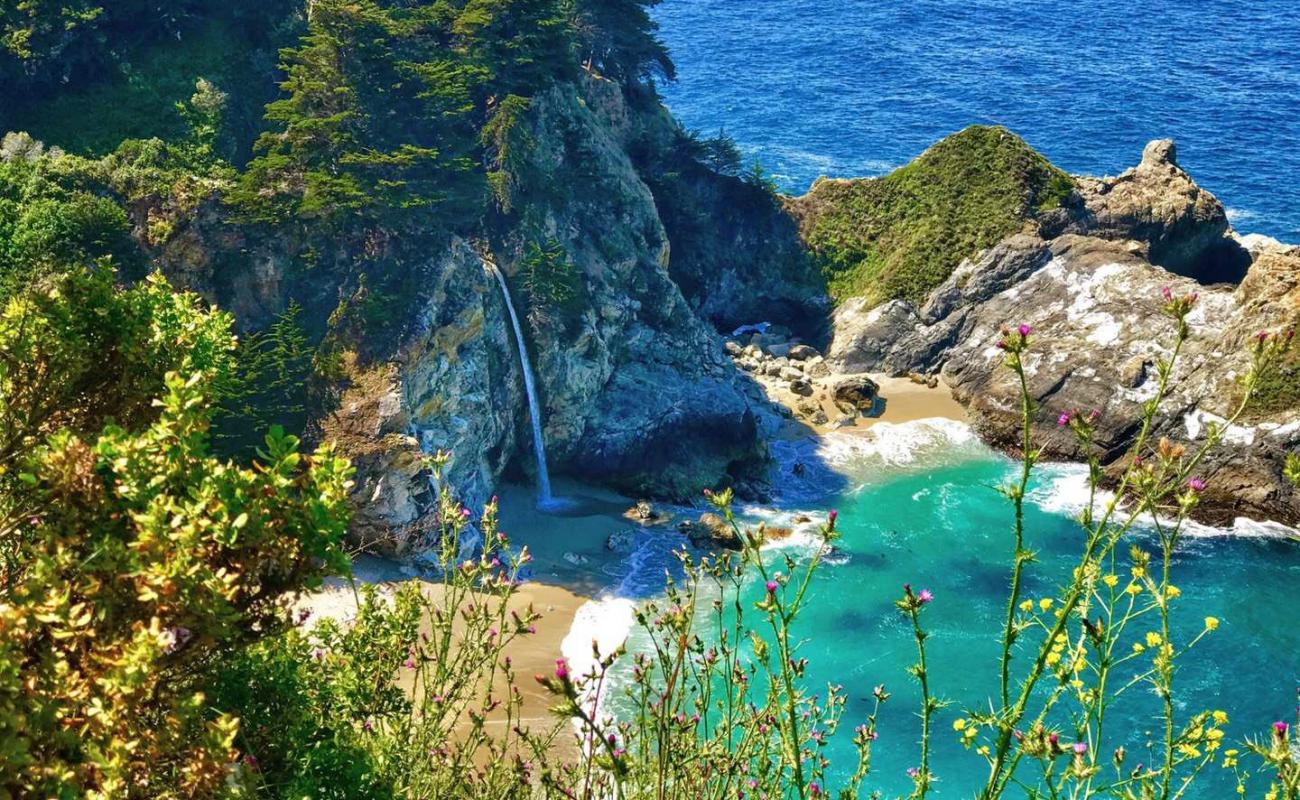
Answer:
(534, 409)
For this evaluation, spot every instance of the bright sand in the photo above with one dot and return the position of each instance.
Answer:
(531, 655)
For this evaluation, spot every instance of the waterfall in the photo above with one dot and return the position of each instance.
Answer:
(534, 409)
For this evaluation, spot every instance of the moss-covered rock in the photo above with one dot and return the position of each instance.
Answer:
(901, 235)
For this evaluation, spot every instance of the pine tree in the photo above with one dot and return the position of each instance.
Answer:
(619, 38)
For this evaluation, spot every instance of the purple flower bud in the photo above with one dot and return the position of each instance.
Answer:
(771, 587)
(1196, 485)
(1024, 330)
(925, 596)
(832, 516)
(1080, 748)
(561, 669)
(1280, 729)
(1167, 293)
(1064, 419)
(912, 772)
(1262, 336)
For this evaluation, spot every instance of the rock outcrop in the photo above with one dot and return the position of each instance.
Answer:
(1090, 287)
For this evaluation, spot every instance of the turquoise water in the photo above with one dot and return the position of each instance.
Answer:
(917, 505)
(943, 527)
(822, 87)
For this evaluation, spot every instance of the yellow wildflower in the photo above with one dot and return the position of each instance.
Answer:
(1133, 588)
(1045, 603)
(1111, 580)
(1027, 606)
(1211, 623)
(1220, 718)
(959, 724)
(1153, 639)
(1172, 592)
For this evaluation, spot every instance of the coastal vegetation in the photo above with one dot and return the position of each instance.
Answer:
(170, 493)
(900, 235)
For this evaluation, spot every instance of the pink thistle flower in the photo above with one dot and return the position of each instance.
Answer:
(1280, 729)
(1262, 336)
(1167, 293)
(1196, 485)
(1064, 419)
(1024, 330)
(832, 516)
(924, 597)
(1080, 748)
(771, 587)
(561, 669)
(409, 663)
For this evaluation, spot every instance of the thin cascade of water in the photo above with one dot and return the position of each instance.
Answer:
(534, 409)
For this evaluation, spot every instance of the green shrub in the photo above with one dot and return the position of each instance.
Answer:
(555, 288)
(901, 235)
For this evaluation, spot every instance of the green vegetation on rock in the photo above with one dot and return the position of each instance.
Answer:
(902, 234)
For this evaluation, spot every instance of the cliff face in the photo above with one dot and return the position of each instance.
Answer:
(634, 388)
(1088, 279)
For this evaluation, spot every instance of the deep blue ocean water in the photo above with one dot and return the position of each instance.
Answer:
(848, 87)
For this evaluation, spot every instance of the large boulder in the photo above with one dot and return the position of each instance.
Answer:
(855, 394)
(1158, 204)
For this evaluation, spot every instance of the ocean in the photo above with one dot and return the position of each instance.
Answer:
(846, 89)
(918, 504)
(816, 87)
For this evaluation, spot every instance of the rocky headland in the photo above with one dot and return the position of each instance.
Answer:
(633, 261)
(1087, 275)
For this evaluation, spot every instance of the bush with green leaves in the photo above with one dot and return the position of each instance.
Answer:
(134, 560)
(902, 234)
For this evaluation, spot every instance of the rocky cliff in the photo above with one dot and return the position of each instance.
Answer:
(1087, 277)
(636, 392)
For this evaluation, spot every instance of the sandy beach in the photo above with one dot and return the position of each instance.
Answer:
(531, 655)
(899, 400)
(571, 551)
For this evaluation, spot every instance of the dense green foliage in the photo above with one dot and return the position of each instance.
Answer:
(554, 287)
(86, 74)
(901, 235)
(51, 214)
(405, 112)
(133, 559)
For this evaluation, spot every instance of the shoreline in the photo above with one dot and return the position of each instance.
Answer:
(533, 654)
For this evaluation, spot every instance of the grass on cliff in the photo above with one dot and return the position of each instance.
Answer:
(902, 234)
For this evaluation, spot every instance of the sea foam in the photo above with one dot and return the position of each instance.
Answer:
(1065, 491)
(814, 468)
